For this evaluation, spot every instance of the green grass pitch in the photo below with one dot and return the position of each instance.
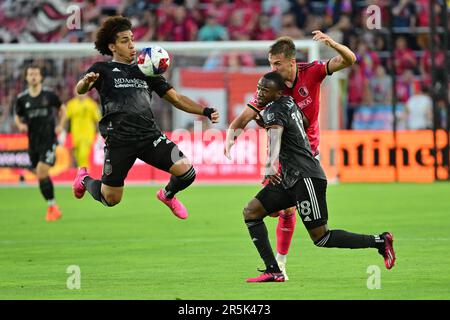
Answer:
(139, 250)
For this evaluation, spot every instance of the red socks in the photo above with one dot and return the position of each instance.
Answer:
(285, 230)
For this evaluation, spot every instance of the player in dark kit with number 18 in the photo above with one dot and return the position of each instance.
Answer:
(302, 184)
(35, 110)
(128, 125)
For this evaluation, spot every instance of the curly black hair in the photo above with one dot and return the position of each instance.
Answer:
(107, 33)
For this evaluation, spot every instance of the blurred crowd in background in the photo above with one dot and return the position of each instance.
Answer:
(369, 85)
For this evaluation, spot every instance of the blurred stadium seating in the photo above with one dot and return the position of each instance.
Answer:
(359, 98)
(43, 21)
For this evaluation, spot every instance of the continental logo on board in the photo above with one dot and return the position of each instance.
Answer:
(370, 156)
(350, 156)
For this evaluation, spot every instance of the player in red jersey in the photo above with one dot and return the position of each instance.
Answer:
(302, 80)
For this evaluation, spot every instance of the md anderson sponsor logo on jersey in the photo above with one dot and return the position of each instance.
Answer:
(130, 83)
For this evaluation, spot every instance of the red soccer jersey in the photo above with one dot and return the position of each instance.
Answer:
(306, 93)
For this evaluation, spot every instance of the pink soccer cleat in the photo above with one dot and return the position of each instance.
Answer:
(78, 187)
(388, 252)
(268, 277)
(174, 204)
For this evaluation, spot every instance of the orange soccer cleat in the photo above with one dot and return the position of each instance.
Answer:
(53, 213)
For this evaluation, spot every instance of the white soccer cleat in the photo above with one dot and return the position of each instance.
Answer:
(282, 267)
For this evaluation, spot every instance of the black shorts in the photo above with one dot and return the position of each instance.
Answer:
(159, 152)
(45, 153)
(308, 195)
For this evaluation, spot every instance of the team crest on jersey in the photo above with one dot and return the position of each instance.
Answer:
(27, 105)
(303, 91)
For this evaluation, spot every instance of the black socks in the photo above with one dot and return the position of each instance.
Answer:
(94, 187)
(259, 236)
(46, 187)
(179, 183)
(344, 239)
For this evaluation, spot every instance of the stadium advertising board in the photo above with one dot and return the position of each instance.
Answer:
(349, 156)
(371, 156)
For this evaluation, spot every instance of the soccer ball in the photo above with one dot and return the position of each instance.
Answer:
(153, 61)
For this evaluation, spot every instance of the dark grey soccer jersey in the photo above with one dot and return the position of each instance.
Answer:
(39, 113)
(296, 158)
(125, 94)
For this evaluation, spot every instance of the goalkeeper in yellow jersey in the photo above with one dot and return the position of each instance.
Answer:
(84, 115)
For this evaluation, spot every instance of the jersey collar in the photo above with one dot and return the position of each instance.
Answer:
(296, 77)
(127, 64)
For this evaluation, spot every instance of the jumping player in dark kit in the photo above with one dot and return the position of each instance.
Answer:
(128, 125)
(35, 111)
(302, 183)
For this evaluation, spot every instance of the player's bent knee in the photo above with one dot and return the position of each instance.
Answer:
(180, 167)
(245, 213)
(112, 204)
(323, 240)
(253, 210)
(42, 176)
(110, 200)
(42, 170)
(250, 213)
(317, 233)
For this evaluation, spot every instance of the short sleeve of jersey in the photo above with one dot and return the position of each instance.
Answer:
(54, 99)
(96, 68)
(159, 84)
(319, 70)
(274, 116)
(253, 103)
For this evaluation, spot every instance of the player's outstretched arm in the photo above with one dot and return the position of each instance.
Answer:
(188, 105)
(346, 57)
(236, 127)
(86, 83)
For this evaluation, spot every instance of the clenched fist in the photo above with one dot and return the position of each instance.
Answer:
(90, 77)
